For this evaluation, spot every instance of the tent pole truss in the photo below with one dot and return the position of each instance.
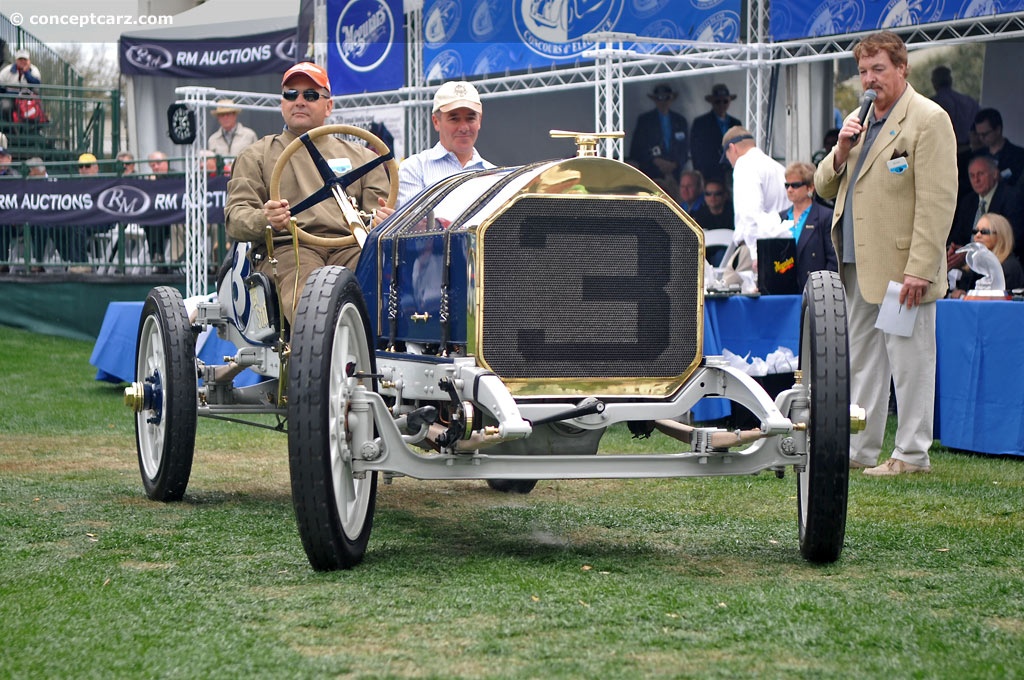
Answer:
(608, 101)
(195, 200)
(417, 111)
(757, 73)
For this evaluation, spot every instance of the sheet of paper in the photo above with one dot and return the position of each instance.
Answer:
(892, 316)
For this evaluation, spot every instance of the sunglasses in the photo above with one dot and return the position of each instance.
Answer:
(714, 193)
(795, 185)
(308, 95)
(983, 232)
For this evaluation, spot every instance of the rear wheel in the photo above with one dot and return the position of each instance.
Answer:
(330, 358)
(165, 366)
(822, 485)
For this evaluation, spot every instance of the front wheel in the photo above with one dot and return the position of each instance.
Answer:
(330, 359)
(165, 368)
(823, 484)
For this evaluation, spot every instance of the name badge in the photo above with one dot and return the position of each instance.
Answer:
(339, 165)
(897, 165)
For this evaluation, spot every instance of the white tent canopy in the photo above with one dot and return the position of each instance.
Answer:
(149, 96)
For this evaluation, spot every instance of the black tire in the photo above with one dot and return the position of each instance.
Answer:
(165, 362)
(331, 342)
(823, 484)
(521, 486)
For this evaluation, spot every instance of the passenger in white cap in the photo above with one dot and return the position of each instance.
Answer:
(456, 116)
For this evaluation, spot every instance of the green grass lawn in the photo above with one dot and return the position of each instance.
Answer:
(595, 579)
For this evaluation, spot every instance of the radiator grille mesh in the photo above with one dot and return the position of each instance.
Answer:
(580, 288)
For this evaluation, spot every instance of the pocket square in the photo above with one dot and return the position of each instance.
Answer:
(899, 154)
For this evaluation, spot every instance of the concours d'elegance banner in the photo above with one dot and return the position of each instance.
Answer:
(98, 202)
(272, 52)
(796, 19)
(486, 37)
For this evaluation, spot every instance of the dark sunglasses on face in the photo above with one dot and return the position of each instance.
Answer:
(795, 185)
(714, 193)
(983, 232)
(308, 95)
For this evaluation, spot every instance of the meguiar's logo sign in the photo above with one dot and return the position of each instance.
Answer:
(364, 34)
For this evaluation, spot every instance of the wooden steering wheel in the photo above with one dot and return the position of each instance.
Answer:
(332, 180)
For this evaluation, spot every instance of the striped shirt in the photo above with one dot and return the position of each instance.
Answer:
(431, 166)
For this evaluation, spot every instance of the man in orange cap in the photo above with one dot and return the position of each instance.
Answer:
(305, 104)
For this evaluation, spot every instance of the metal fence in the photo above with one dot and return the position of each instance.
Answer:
(127, 250)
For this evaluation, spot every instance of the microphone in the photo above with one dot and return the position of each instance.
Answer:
(866, 100)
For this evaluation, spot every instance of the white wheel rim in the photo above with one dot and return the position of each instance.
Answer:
(803, 479)
(351, 495)
(151, 359)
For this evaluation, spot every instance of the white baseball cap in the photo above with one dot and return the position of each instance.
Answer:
(457, 94)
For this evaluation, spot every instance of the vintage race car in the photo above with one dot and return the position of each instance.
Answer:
(496, 326)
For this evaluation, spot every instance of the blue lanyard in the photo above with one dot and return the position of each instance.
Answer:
(798, 225)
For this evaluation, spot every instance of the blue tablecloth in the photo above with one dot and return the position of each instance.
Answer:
(742, 325)
(113, 355)
(979, 382)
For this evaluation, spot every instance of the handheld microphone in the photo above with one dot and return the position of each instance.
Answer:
(866, 100)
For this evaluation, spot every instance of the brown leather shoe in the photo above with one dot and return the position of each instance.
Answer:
(894, 467)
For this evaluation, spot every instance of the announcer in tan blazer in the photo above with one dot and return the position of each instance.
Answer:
(895, 182)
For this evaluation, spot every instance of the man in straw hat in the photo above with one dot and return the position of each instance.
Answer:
(660, 144)
(305, 104)
(707, 133)
(232, 137)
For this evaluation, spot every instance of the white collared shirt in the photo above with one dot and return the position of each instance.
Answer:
(428, 167)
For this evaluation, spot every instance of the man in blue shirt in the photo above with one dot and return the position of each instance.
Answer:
(707, 132)
(661, 144)
(456, 116)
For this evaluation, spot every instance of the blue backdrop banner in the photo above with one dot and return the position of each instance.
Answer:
(492, 37)
(796, 19)
(365, 46)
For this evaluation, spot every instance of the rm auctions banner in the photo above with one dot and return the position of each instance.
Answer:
(796, 19)
(98, 202)
(252, 54)
(486, 37)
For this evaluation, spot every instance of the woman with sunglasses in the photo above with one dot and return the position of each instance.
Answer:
(811, 224)
(995, 233)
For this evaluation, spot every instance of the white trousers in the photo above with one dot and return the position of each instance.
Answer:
(875, 358)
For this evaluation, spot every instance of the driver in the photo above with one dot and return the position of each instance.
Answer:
(305, 104)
